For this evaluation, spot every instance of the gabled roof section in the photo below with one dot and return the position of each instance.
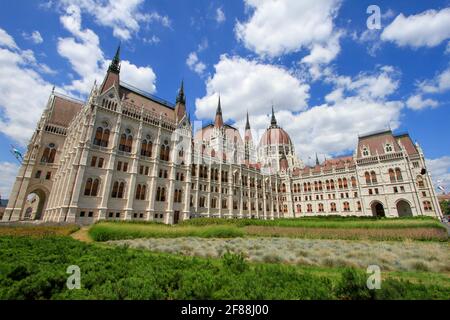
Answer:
(406, 141)
(151, 103)
(376, 142)
(64, 109)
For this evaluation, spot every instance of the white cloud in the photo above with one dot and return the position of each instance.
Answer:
(416, 102)
(429, 29)
(87, 59)
(195, 64)
(6, 40)
(35, 37)
(140, 77)
(220, 15)
(152, 40)
(284, 26)
(125, 17)
(7, 178)
(440, 172)
(249, 85)
(18, 74)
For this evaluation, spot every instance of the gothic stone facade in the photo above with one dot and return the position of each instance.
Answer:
(124, 154)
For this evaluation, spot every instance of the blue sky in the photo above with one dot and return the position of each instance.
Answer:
(328, 75)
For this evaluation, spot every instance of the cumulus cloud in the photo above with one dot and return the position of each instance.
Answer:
(249, 85)
(6, 40)
(125, 17)
(34, 37)
(417, 102)
(285, 26)
(19, 73)
(440, 172)
(220, 16)
(86, 58)
(427, 29)
(7, 178)
(195, 64)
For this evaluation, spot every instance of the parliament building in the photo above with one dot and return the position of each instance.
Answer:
(126, 155)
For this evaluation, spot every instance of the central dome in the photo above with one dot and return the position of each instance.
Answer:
(275, 135)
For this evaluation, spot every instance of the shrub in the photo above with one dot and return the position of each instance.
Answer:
(234, 262)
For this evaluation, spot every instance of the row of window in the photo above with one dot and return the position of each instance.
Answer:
(38, 175)
(321, 208)
(126, 142)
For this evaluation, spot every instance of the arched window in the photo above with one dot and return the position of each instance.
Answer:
(427, 206)
(367, 176)
(115, 189)
(365, 152)
(88, 187)
(353, 182)
(95, 184)
(332, 184)
(359, 205)
(143, 191)
(163, 194)
(391, 175)
(321, 207)
(101, 137)
(340, 183)
(388, 148)
(138, 192)
(105, 138)
(175, 196)
(158, 194)
(49, 154)
(98, 136)
(121, 190)
(126, 141)
(398, 174)
(345, 183)
(346, 206)
(373, 176)
(146, 147)
(333, 207)
(299, 208)
(327, 182)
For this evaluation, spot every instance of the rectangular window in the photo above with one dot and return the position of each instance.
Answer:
(395, 190)
(82, 213)
(49, 175)
(135, 215)
(141, 215)
(146, 171)
(100, 162)
(424, 193)
(402, 188)
(376, 190)
(119, 165)
(117, 214)
(90, 214)
(370, 192)
(111, 214)
(125, 166)
(38, 174)
(141, 170)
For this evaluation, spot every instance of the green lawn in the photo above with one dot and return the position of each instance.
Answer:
(36, 269)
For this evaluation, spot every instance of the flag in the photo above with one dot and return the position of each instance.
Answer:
(16, 153)
(441, 188)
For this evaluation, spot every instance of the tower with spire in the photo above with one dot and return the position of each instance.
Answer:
(249, 147)
(218, 120)
(112, 77)
(180, 107)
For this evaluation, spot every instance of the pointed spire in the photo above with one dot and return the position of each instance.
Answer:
(218, 122)
(273, 122)
(115, 63)
(317, 160)
(181, 98)
(247, 124)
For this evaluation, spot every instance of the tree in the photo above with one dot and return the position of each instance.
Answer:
(445, 206)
